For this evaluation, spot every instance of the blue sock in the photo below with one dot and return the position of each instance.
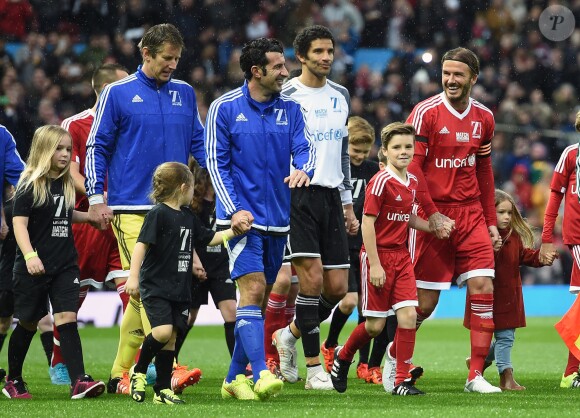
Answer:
(239, 358)
(250, 327)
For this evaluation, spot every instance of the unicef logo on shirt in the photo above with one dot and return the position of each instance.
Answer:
(331, 135)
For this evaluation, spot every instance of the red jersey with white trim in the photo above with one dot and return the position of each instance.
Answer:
(564, 182)
(79, 126)
(448, 146)
(391, 200)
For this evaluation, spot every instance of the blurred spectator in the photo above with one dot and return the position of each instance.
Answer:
(16, 19)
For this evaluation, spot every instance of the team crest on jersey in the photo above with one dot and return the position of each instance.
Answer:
(281, 116)
(335, 101)
(475, 129)
(175, 98)
(462, 136)
(320, 113)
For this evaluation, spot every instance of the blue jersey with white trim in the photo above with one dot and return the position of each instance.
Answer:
(138, 126)
(250, 146)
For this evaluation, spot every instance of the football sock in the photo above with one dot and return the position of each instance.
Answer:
(274, 320)
(149, 349)
(164, 368)
(481, 333)
(357, 339)
(421, 316)
(307, 321)
(18, 346)
(180, 339)
(339, 318)
(391, 327)
(2, 339)
(363, 352)
(572, 366)
(82, 296)
(131, 337)
(72, 350)
(379, 347)
(122, 295)
(289, 312)
(325, 308)
(239, 358)
(250, 326)
(230, 339)
(47, 342)
(56, 352)
(405, 346)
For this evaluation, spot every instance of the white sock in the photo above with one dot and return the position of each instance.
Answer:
(313, 370)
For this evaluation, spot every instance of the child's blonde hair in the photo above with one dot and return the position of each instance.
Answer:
(167, 181)
(360, 131)
(36, 173)
(518, 223)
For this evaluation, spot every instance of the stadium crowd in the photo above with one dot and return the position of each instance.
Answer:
(48, 51)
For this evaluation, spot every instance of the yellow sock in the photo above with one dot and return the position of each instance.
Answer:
(131, 338)
(145, 321)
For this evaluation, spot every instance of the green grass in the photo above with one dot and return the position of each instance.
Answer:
(539, 357)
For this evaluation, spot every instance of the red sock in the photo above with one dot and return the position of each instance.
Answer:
(124, 296)
(290, 313)
(56, 353)
(274, 320)
(421, 316)
(82, 296)
(481, 311)
(358, 338)
(572, 366)
(405, 346)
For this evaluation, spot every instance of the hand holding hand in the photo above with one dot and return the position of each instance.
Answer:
(242, 221)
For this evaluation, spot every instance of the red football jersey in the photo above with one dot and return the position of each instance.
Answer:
(391, 200)
(448, 146)
(564, 181)
(79, 126)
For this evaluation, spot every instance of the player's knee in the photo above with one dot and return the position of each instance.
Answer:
(162, 334)
(5, 323)
(374, 328)
(407, 317)
(349, 303)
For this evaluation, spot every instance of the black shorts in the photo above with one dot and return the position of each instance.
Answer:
(7, 257)
(354, 272)
(166, 312)
(6, 303)
(32, 293)
(317, 226)
(220, 288)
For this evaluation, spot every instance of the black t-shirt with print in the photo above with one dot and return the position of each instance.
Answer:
(49, 229)
(360, 176)
(215, 259)
(171, 235)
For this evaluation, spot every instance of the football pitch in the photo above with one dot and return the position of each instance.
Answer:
(539, 357)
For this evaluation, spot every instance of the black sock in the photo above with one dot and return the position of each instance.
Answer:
(325, 308)
(18, 346)
(308, 324)
(164, 366)
(149, 349)
(363, 352)
(379, 347)
(72, 350)
(339, 318)
(2, 338)
(180, 339)
(47, 339)
(230, 338)
(391, 328)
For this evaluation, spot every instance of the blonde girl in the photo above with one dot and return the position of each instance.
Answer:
(517, 241)
(46, 260)
(161, 268)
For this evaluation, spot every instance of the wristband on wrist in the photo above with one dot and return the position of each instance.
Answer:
(30, 255)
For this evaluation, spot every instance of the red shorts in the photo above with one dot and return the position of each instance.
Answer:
(575, 276)
(99, 259)
(399, 290)
(467, 253)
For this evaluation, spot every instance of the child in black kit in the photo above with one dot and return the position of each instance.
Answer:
(161, 268)
(46, 260)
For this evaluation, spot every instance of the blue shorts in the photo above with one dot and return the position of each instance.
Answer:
(254, 252)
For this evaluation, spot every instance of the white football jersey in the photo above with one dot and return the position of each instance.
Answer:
(326, 111)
